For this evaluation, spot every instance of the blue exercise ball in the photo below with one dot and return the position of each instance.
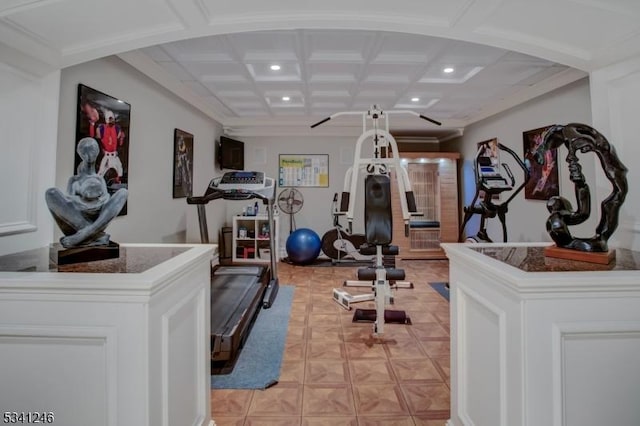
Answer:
(303, 246)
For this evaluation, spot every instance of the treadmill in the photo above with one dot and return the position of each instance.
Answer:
(237, 292)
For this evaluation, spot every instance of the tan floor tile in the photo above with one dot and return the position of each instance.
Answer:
(229, 421)
(329, 421)
(397, 332)
(325, 333)
(421, 369)
(328, 400)
(294, 350)
(324, 319)
(405, 349)
(419, 315)
(317, 349)
(296, 332)
(436, 348)
(327, 306)
(272, 421)
(283, 399)
(326, 371)
(230, 402)
(443, 366)
(429, 330)
(426, 421)
(379, 399)
(292, 370)
(356, 332)
(385, 421)
(427, 399)
(365, 371)
(365, 349)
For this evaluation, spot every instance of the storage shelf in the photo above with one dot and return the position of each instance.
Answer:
(252, 249)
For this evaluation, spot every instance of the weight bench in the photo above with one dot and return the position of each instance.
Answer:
(366, 276)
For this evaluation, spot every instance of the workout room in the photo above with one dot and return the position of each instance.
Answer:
(327, 214)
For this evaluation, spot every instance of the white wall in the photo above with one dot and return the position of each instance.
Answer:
(316, 211)
(28, 125)
(615, 91)
(153, 215)
(526, 218)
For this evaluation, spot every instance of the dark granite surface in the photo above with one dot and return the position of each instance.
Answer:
(131, 260)
(532, 259)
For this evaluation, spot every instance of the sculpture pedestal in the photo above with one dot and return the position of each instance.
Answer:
(542, 341)
(63, 256)
(114, 342)
(603, 258)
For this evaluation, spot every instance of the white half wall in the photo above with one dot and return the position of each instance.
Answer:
(526, 218)
(153, 215)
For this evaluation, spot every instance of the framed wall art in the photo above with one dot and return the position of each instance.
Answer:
(544, 181)
(107, 120)
(306, 170)
(182, 164)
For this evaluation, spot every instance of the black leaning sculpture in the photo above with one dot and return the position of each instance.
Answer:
(84, 213)
(581, 137)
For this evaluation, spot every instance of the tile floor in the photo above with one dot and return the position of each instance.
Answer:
(333, 374)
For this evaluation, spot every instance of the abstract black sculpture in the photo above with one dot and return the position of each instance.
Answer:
(84, 213)
(581, 137)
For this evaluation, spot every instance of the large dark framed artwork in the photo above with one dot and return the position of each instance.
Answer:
(544, 181)
(182, 164)
(107, 120)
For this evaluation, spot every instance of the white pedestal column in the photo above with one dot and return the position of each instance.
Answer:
(110, 348)
(531, 346)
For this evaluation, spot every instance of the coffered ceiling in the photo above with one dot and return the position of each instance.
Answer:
(334, 55)
(295, 76)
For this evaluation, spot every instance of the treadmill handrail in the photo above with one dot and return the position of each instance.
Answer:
(204, 199)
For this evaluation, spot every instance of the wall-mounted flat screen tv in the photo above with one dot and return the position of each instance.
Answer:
(231, 154)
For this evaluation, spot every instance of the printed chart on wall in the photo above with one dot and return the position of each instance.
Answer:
(304, 170)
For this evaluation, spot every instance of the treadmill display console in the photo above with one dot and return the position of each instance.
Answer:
(242, 181)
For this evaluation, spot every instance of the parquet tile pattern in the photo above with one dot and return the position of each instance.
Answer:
(334, 374)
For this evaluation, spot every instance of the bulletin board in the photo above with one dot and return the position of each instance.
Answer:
(303, 170)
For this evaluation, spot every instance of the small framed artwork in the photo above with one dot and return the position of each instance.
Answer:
(544, 181)
(182, 164)
(107, 120)
(309, 170)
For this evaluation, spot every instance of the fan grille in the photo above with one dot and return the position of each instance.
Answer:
(290, 201)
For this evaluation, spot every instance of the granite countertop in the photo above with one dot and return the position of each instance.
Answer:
(133, 259)
(532, 259)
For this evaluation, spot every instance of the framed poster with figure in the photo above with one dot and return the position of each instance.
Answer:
(544, 181)
(182, 164)
(107, 120)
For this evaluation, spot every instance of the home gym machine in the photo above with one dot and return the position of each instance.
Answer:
(489, 180)
(378, 218)
(238, 292)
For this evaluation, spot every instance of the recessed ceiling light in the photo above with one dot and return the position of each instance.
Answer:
(448, 70)
(275, 67)
(415, 99)
(286, 98)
